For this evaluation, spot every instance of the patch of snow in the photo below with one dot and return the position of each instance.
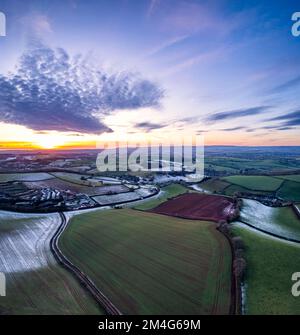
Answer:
(25, 241)
(264, 217)
(196, 187)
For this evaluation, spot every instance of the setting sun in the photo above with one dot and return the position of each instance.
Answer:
(50, 141)
(46, 144)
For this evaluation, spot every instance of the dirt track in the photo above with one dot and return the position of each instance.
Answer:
(84, 280)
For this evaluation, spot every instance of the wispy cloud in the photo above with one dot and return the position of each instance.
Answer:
(153, 5)
(235, 114)
(51, 90)
(149, 126)
(233, 128)
(289, 119)
(287, 85)
(201, 58)
(194, 17)
(166, 44)
(37, 24)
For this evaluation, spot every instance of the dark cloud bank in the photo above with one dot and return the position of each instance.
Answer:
(52, 91)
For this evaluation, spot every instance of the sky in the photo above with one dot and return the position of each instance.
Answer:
(74, 73)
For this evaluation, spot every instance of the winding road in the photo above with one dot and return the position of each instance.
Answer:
(84, 280)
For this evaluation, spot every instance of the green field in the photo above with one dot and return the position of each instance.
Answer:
(214, 185)
(169, 191)
(270, 265)
(76, 178)
(290, 190)
(151, 264)
(294, 177)
(256, 183)
(281, 221)
(36, 284)
(285, 187)
(232, 189)
(234, 165)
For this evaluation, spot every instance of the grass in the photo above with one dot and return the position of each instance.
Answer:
(294, 177)
(214, 185)
(169, 191)
(234, 165)
(270, 265)
(290, 190)
(36, 284)
(256, 183)
(151, 264)
(282, 220)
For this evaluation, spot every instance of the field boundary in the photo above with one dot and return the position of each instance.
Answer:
(296, 210)
(75, 182)
(252, 189)
(84, 280)
(235, 300)
(270, 233)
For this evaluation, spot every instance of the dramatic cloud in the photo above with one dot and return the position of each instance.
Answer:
(148, 126)
(52, 91)
(230, 115)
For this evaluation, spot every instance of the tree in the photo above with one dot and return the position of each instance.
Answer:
(238, 243)
(239, 268)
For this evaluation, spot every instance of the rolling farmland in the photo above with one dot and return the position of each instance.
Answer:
(144, 262)
(270, 265)
(255, 183)
(36, 284)
(286, 187)
(290, 190)
(294, 177)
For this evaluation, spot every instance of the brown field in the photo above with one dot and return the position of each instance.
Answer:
(197, 206)
(63, 185)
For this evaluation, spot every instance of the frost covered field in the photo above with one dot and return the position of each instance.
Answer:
(36, 284)
(4, 177)
(280, 221)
